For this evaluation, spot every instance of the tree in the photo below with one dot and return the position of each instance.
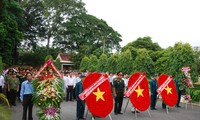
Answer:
(125, 62)
(102, 63)
(111, 65)
(144, 63)
(132, 50)
(86, 33)
(1, 64)
(57, 12)
(181, 56)
(162, 63)
(84, 63)
(58, 64)
(144, 42)
(48, 57)
(11, 22)
(93, 62)
(35, 29)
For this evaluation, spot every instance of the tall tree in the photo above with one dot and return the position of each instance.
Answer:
(144, 42)
(84, 63)
(144, 63)
(102, 63)
(162, 63)
(35, 29)
(86, 33)
(11, 22)
(125, 62)
(45, 19)
(111, 65)
(181, 56)
(57, 12)
(93, 62)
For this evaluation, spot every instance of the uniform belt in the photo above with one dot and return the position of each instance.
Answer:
(28, 94)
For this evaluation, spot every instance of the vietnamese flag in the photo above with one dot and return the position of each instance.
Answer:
(140, 98)
(99, 101)
(168, 90)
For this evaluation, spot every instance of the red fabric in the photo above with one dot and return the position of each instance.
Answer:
(170, 98)
(100, 107)
(141, 102)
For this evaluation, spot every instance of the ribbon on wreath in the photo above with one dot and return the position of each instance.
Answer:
(134, 86)
(92, 87)
(49, 62)
(162, 87)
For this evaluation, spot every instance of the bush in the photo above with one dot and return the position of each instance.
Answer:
(195, 93)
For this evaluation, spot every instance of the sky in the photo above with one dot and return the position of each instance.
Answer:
(165, 21)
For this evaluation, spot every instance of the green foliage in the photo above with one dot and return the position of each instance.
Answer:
(36, 58)
(195, 93)
(162, 63)
(1, 64)
(111, 65)
(34, 29)
(144, 63)
(85, 34)
(11, 22)
(84, 63)
(182, 55)
(58, 64)
(46, 19)
(125, 62)
(102, 63)
(144, 42)
(48, 57)
(93, 63)
(4, 108)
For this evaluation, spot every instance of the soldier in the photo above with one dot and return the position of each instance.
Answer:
(80, 108)
(118, 91)
(153, 88)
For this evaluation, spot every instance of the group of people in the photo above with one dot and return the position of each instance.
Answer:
(17, 84)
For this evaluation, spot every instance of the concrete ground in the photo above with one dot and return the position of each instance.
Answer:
(68, 112)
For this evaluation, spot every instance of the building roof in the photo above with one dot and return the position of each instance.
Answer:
(64, 58)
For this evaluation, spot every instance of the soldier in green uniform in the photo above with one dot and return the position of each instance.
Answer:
(153, 89)
(13, 88)
(80, 108)
(118, 92)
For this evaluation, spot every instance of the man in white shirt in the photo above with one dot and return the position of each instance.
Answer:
(2, 81)
(70, 85)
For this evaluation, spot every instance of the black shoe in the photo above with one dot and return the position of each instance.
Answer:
(135, 112)
(120, 113)
(178, 106)
(153, 109)
(115, 113)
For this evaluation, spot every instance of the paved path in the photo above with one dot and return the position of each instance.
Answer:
(68, 113)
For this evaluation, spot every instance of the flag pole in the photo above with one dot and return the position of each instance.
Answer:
(110, 117)
(126, 105)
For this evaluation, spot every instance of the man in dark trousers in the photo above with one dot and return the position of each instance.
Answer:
(153, 88)
(80, 108)
(178, 83)
(26, 97)
(118, 92)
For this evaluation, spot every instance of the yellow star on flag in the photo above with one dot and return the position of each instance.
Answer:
(99, 95)
(139, 92)
(168, 89)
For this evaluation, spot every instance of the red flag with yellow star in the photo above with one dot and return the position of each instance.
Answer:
(167, 89)
(139, 91)
(97, 94)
